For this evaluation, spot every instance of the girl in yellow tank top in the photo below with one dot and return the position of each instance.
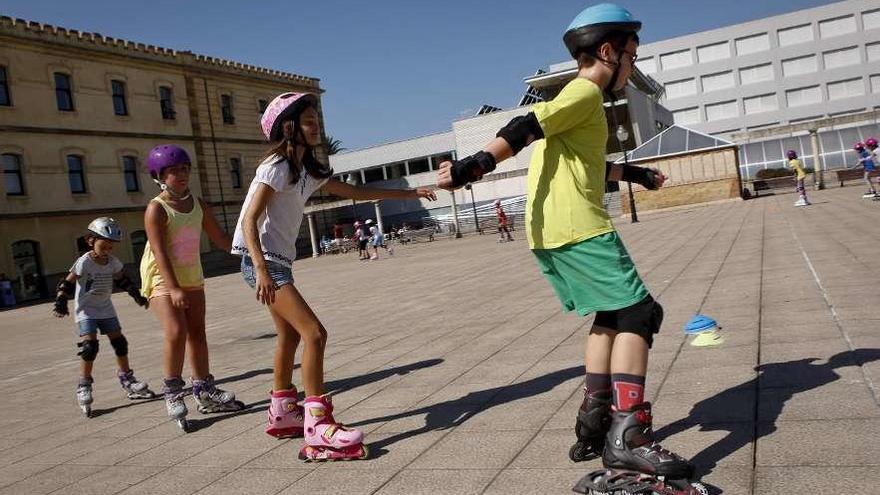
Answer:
(171, 274)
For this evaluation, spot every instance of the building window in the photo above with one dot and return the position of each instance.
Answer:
(795, 35)
(871, 19)
(846, 89)
(130, 171)
(166, 102)
(841, 58)
(759, 104)
(12, 177)
(803, 96)
(875, 83)
(837, 27)
(872, 50)
(226, 109)
(262, 105)
(235, 172)
(710, 53)
(721, 111)
(716, 82)
(675, 60)
(756, 74)
(686, 116)
(647, 65)
(677, 89)
(4, 88)
(374, 174)
(119, 106)
(63, 94)
(76, 174)
(753, 44)
(138, 244)
(396, 170)
(799, 65)
(419, 166)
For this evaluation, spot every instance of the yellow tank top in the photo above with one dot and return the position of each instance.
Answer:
(182, 239)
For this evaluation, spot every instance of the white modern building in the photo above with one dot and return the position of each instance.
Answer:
(801, 66)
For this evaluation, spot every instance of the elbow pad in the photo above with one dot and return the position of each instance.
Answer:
(521, 131)
(471, 168)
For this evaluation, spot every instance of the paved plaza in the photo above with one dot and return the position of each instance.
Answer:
(457, 361)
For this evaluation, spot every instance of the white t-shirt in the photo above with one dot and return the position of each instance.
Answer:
(94, 287)
(374, 233)
(279, 225)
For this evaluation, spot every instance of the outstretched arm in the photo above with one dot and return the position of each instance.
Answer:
(344, 190)
(511, 139)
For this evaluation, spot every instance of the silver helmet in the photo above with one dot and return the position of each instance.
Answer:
(106, 228)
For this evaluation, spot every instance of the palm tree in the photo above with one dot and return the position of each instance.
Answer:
(333, 145)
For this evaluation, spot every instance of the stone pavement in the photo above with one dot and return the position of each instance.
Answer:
(457, 361)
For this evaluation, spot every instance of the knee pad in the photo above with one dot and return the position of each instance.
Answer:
(643, 318)
(120, 346)
(88, 350)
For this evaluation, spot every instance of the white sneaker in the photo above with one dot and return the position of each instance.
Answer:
(801, 202)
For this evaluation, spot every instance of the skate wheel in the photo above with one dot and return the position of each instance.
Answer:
(184, 425)
(365, 452)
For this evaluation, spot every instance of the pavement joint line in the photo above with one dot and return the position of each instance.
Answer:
(835, 317)
(489, 400)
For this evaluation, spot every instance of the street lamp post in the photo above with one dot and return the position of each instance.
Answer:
(474, 208)
(351, 180)
(622, 136)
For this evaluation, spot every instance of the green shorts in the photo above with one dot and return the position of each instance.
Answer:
(593, 275)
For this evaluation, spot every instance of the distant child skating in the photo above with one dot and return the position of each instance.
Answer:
(90, 284)
(796, 165)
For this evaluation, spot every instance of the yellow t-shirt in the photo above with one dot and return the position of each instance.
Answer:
(566, 178)
(182, 236)
(796, 165)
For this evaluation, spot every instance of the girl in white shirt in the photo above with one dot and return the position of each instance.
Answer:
(265, 238)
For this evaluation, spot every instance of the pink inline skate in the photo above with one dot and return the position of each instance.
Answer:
(285, 415)
(327, 440)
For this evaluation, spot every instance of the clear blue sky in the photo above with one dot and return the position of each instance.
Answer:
(391, 69)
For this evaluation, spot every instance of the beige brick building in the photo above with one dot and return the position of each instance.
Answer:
(78, 114)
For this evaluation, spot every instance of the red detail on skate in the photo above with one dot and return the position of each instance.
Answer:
(292, 432)
(644, 416)
(319, 453)
(627, 395)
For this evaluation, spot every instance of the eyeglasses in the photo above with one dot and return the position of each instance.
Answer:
(632, 56)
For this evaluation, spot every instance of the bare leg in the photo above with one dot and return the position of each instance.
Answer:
(195, 335)
(174, 325)
(291, 307)
(285, 352)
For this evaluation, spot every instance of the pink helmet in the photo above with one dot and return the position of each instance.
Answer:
(859, 146)
(871, 143)
(284, 107)
(792, 154)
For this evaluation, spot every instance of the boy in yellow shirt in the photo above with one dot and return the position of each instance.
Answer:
(575, 243)
(795, 165)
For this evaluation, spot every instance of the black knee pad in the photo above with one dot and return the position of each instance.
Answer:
(120, 345)
(643, 318)
(88, 350)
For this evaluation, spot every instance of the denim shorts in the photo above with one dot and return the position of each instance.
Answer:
(280, 274)
(105, 325)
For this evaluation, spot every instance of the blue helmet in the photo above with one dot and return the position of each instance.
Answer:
(594, 23)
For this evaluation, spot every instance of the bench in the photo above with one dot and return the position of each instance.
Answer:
(789, 182)
(417, 235)
(853, 174)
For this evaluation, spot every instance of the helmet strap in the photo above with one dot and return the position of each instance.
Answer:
(171, 192)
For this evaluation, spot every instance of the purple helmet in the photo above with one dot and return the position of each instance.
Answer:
(859, 146)
(283, 107)
(165, 156)
(871, 143)
(791, 154)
